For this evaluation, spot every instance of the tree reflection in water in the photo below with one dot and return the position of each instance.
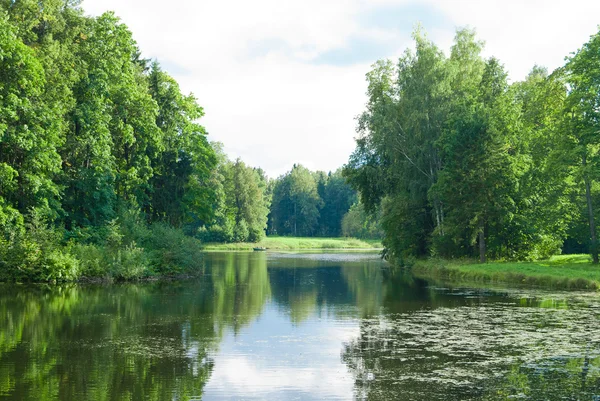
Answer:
(403, 337)
(121, 342)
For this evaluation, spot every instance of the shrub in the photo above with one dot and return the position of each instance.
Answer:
(93, 261)
(172, 252)
(217, 233)
(37, 254)
(241, 231)
(129, 262)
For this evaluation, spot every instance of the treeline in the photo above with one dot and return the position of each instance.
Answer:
(241, 202)
(318, 204)
(463, 163)
(103, 165)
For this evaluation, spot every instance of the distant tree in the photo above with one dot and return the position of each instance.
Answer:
(241, 204)
(358, 223)
(251, 201)
(337, 196)
(296, 203)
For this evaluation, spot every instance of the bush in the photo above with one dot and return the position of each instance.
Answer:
(125, 249)
(241, 232)
(545, 247)
(129, 262)
(217, 233)
(114, 252)
(172, 252)
(358, 223)
(93, 260)
(37, 254)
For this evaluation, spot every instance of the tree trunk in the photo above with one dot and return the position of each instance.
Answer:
(590, 207)
(482, 250)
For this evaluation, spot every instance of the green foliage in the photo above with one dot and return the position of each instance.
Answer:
(462, 163)
(580, 142)
(128, 249)
(29, 138)
(94, 141)
(37, 254)
(337, 196)
(241, 203)
(171, 252)
(296, 203)
(360, 224)
(181, 191)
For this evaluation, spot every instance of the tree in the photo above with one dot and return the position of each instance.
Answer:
(545, 201)
(182, 168)
(582, 124)
(29, 136)
(358, 223)
(480, 180)
(445, 150)
(296, 203)
(251, 202)
(397, 160)
(241, 203)
(337, 196)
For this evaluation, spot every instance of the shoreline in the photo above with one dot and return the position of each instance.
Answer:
(566, 272)
(298, 243)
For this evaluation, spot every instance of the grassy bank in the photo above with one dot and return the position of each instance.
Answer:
(565, 271)
(298, 243)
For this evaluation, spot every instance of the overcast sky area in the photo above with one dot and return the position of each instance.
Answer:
(281, 82)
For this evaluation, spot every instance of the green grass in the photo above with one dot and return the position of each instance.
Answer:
(564, 271)
(294, 243)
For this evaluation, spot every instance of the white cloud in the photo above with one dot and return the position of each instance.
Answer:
(310, 367)
(275, 108)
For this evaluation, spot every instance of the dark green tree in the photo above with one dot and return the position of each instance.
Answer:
(337, 196)
(581, 139)
(296, 203)
(182, 168)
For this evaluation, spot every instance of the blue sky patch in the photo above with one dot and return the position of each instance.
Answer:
(399, 20)
(404, 17)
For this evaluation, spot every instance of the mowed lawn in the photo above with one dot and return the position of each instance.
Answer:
(292, 243)
(564, 271)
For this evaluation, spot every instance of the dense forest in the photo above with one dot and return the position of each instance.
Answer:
(306, 203)
(463, 163)
(105, 170)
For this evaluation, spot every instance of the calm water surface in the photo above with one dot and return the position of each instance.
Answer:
(297, 327)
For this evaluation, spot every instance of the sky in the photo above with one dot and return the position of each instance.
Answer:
(282, 81)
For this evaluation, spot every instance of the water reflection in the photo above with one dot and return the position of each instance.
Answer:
(116, 343)
(287, 326)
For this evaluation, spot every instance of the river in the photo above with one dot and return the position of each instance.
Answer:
(289, 326)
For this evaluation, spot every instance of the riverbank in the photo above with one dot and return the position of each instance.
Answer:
(560, 272)
(298, 243)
